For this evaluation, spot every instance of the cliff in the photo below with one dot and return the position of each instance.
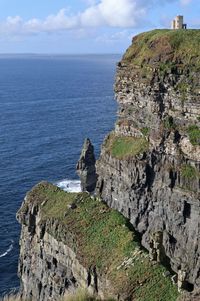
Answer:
(148, 183)
(70, 241)
(149, 168)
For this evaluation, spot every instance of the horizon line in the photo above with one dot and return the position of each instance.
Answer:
(58, 54)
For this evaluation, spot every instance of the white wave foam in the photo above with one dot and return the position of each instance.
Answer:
(69, 185)
(8, 250)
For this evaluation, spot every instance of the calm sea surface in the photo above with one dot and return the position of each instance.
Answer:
(48, 105)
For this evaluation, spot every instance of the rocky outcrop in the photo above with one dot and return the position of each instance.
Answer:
(86, 167)
(158, 187)
(49, 266)
(194, 296)
(72, 241)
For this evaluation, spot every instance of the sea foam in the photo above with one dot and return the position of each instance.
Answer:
(69, 185)
(8, 250)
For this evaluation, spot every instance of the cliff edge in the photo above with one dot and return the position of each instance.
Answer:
(149, 168)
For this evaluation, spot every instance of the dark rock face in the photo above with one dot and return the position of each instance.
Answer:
(155, 189)
(48, 268)
(86, 167)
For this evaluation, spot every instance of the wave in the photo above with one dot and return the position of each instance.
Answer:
(69, 185)
(8, 250)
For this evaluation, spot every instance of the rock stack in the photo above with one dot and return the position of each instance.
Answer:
(86, 167)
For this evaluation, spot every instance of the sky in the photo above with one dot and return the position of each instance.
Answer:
(85, 26)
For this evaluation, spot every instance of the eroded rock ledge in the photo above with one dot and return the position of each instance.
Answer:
(149, 168)
(70, 241)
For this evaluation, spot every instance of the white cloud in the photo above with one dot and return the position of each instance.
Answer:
(120, 13)
(112, 13)
(185, 2)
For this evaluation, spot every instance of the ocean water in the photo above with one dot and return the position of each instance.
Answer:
(48, 105)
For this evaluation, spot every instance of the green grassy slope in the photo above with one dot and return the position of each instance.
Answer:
(166, 46)
(102, 238)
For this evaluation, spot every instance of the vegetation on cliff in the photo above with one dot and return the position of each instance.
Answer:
(194, 134)
(123, 147)
(189, 172)
(166, 48)
(163, 53)
(102, 238)
(80, 295)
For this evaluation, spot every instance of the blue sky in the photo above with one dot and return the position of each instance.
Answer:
(85, 26)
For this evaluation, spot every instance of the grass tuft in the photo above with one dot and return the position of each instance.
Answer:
(194, 134)
(80, 295)
(189, 172)
(145, 131)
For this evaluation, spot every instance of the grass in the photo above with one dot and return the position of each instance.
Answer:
(183, 87)
(189, 172)
(145, 131)
(169, 123)
(80, 295)
(101, 238)
(194, 134)
(168, 52)
(172, 45)
(123, 147)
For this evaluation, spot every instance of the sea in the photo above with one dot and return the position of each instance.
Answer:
(48, 105)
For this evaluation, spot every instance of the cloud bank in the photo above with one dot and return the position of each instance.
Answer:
(110, 13)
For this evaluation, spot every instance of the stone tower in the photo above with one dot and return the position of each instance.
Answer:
(178, 23)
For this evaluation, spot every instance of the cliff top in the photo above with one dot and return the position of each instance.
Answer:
(166, 46)
(100, 237)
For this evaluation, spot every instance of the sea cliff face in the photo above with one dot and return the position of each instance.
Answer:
(72, 241)
(148, 179)
(149, 168)
(49, 265)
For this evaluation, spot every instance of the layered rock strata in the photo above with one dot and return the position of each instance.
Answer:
(149, 168)
(72, 241)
